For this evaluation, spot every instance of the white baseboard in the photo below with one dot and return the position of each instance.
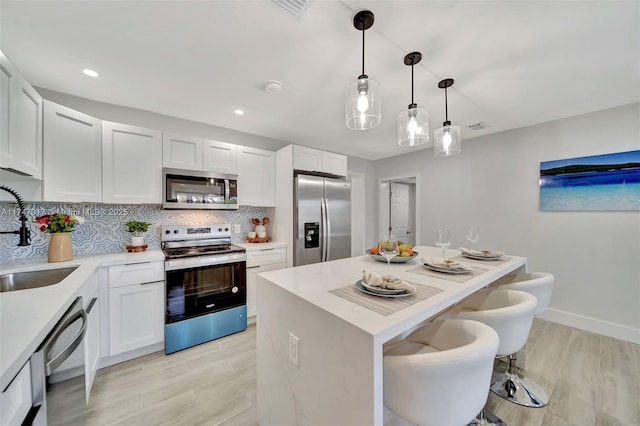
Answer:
(617, 331)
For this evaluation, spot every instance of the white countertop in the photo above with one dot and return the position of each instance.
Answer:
(261, 246)
(27, 316)
(313, 282)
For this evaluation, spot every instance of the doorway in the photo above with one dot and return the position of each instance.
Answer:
(397, 212)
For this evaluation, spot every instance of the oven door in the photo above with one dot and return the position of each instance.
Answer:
(202, 289)
(190, 189)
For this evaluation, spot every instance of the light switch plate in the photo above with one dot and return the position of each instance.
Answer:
(236, 229)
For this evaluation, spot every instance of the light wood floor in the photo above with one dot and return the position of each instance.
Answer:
(591, 380)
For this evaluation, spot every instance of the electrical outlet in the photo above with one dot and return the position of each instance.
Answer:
(293, 349)
(236, 229)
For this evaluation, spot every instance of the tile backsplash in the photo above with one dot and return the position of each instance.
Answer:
(103, 230)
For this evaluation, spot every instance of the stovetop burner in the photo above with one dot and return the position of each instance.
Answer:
(180, 241)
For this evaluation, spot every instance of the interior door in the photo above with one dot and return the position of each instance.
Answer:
(308, 226)
(399, 220)
(337, 196)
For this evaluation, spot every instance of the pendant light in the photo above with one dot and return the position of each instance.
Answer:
(413, 124)
(448, 138)
(363, 105)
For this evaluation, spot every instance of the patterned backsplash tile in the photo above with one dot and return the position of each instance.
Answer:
(103, 230)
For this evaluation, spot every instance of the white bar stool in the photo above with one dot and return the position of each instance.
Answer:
(510, 313)
(440, 374)
(540, 285)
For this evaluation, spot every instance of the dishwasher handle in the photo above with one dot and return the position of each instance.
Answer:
(53, 364)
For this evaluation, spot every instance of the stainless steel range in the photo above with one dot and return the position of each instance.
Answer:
(206, 286)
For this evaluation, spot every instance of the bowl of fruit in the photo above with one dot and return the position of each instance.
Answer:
(406, 253)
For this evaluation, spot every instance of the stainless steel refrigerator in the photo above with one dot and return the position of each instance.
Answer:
(322, 219)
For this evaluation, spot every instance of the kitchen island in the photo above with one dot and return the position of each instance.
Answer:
(320, 354)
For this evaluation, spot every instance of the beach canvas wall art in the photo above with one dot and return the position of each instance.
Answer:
(599, 182)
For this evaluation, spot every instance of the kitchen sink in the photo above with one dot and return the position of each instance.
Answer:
(33, 279)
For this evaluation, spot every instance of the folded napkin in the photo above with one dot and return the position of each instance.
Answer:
(374, 279)
(485, 253)
(440, 262)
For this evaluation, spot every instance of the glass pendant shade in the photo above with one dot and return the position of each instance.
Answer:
(447, 141)
(363, 104)
(413, 127)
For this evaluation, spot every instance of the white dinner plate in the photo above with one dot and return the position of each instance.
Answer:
(480, 257)
(411, 290)
(383, 290)
(447, 270)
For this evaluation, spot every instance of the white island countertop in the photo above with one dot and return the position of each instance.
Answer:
(340, 343)
(27, 316)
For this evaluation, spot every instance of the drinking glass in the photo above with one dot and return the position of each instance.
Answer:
(443, 240)
(388, 249)
(473, 235)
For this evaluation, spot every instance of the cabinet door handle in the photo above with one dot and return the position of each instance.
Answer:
(93, 302)
(252, 267)
(267, 249)
(149, 282)
(136, 263)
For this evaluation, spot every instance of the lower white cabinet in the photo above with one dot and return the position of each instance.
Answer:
(261, 261)
(136, 306)
(92, 339)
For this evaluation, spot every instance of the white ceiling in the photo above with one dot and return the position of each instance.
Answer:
(515, 63)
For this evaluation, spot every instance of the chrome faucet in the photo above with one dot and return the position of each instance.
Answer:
(24, 232)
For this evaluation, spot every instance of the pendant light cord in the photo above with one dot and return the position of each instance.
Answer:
(412, 84)
(362, 23)
(446, 106)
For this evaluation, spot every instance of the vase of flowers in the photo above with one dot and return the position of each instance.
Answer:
(60, 226)
(138, 229)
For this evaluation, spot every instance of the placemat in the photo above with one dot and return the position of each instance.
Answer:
(459, 278)
(382, 305)
(500, 261)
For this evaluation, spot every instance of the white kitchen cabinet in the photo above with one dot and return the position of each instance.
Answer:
(308, 159)
(131, 164)
(92, 339)
(219, 157)
(20, 123)
(136, 306)
(181, 152)
(315, 160)
(15, 400)
(261, 261)
(256, 177)
(333, 163)
(72, 155)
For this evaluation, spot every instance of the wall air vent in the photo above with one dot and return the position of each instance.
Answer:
(296, 8)
(479, 126)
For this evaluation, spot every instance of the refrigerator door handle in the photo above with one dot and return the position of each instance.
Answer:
(327, 229)
(323, 235)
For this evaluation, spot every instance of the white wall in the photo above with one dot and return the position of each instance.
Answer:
(367, 168)
(493, 184)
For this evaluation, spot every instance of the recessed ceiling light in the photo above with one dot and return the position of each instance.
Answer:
(90, 73)
(239, 112)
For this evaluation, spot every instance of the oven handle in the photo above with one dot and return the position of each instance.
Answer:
(203, 261)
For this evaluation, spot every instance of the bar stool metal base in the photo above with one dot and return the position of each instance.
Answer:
(487, 418)
(519, 390)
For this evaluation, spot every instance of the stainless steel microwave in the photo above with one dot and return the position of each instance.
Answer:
(193, 189)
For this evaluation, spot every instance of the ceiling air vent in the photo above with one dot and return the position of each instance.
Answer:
(293, 7)
(479, 126)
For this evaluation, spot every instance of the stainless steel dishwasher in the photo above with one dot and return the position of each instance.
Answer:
(58, 373)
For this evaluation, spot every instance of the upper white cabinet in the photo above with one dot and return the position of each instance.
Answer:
(186, 152)
(314, 160)
(181, 152)
(256, 177)
(72, 155)
(219, 157)
(20, 123)
(333, 163)
(132, 164)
